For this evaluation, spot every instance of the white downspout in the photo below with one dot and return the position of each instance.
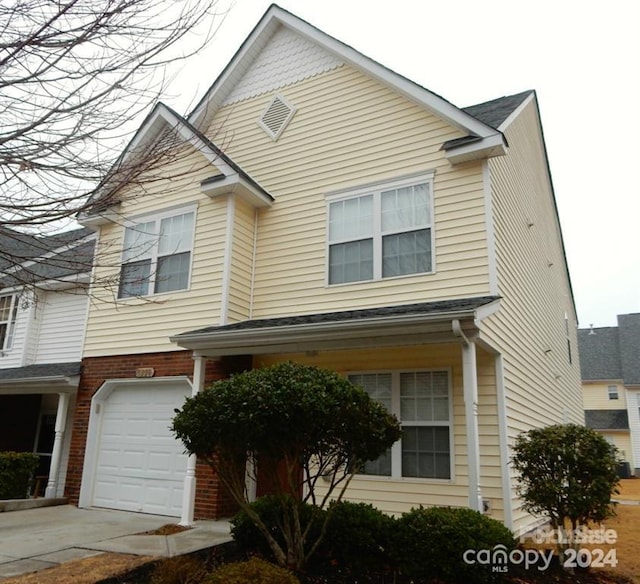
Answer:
(470, 385)
(189, 491)
(56, 454)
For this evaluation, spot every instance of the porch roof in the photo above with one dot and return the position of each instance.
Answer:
(41, 378)
(407, 324)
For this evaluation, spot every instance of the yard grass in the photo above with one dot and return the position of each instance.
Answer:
(629, 490)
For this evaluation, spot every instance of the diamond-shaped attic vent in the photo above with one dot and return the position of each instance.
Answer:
(276, 116)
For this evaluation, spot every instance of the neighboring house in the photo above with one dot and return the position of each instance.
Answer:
(43, 310)
(610, 364)
(327, 210)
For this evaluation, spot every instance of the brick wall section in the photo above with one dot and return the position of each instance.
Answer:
(212, 502)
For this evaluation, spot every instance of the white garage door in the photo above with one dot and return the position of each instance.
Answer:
(140, 465)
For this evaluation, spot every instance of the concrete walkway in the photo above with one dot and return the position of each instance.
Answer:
(35, 539)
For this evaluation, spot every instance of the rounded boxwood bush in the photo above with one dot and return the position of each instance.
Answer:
(430, 543)
(357, 539)
(253, 571)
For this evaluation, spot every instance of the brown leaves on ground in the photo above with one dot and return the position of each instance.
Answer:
(84, 571)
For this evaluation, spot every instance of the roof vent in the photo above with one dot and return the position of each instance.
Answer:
(276, 116)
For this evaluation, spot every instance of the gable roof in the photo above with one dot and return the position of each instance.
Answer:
(487, 136)
(162, 118)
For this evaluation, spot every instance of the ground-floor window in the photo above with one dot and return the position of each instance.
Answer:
(422, 402)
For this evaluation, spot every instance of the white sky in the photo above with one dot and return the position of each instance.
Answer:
(581, 56)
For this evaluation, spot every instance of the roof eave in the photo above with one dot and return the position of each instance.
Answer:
(488, 147)
(238, 184)
(396, 330)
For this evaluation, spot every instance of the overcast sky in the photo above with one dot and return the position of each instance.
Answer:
(583, 59)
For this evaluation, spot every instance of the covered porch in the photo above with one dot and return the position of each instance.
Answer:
(36, 408)
(426, 364)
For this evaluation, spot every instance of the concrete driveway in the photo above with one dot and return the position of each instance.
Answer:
(36, 539)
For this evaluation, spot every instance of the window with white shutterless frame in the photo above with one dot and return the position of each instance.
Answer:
(422, 401)
(157, 252)
(381, 231)
(8, 317)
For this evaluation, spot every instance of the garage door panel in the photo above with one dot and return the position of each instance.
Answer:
(140, 464)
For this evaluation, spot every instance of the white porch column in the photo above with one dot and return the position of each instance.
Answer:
(56, 455)
(189, 491)
(470, 384)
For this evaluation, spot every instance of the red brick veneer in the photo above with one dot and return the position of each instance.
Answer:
(212, 501)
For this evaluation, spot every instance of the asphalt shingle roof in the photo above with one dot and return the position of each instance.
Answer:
(37, 371)
(423, 308)
(612, 352)
(20, 249)
(495, 112)
(607, 419)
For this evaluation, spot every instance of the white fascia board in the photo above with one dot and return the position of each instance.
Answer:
(96, 221)
(53, 384)
(264, 30)
(235, 183)
(488, 147)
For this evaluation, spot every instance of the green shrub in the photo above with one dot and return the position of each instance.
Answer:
(16, 474)
(430, 543)
(253, 571)
(179, 570)
(358, 538)
(271, 510)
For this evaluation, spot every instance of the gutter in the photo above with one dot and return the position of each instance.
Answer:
(470, 385)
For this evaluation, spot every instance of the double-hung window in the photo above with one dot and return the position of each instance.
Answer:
(156, 255)
(421, 400)
(8, 314)
(381, 232)
(612, 391)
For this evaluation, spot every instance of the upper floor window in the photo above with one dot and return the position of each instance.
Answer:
(612, 390)
(156, 255)
(381, 232)
(8, 314)
(421, 400)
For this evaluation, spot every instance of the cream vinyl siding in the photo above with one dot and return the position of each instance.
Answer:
(541, 386)
(622, 441)
(596, 396)
(350, 131)
(61, 331)
(241, 277)
(399, 495)
(133, 325)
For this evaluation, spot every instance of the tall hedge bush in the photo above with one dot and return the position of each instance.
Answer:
(16, 474)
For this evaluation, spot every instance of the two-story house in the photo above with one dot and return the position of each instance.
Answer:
(325, 209)
(610, 365)
(43, 309)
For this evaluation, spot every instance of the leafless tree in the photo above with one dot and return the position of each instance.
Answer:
(75, 76)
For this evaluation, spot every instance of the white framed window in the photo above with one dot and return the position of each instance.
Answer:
(156, 254)
(8, 315)
(421, 400)
(383, 231)
(612, 391)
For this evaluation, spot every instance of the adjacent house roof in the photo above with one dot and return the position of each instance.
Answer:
(612, 353)
(607, 419)
(495, 112)
(28, 259)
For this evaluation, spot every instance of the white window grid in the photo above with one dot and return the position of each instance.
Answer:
(146, 236)
(396, 449)
(377, 232)
(8, 316)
